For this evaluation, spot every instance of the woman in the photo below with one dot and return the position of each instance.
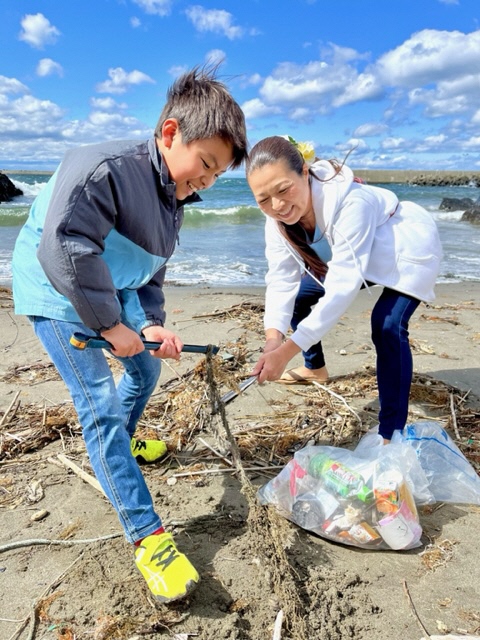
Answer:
(343, 235)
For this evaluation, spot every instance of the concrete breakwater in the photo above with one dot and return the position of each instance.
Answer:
(376, 176)
(411, 176)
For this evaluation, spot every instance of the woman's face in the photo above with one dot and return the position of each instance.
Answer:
(280, 192)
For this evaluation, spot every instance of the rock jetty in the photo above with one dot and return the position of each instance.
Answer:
(421, 178)
(7, 189)
(471, 209)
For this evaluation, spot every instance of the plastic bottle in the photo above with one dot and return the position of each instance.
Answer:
(339, 478)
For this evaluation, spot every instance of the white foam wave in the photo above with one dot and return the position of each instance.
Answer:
(29, 190)
(5, 268)
(447, 215)
(228, 211)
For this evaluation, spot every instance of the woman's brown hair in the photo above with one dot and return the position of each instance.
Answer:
(271, 150)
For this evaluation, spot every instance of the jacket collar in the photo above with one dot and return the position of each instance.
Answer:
(167, 184)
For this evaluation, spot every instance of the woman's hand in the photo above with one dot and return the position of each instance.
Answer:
(272, 363)
(171, 344)
(270, 366)
(271, 344)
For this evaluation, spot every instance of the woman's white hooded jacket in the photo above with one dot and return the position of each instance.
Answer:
(374, 238)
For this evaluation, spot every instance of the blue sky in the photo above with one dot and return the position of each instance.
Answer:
(397, 80)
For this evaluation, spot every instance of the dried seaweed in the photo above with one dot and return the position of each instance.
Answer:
(183, 410)
(32, 427)
(249, 314)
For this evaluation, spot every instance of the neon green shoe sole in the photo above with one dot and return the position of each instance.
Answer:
(147, 451)
(169, 574)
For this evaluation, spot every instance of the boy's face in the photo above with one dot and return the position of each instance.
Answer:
(194, 166)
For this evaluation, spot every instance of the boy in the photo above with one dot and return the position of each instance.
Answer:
(92, 258)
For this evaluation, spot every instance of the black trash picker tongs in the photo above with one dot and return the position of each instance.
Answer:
(82, 341)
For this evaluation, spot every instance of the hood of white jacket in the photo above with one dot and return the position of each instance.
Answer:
(331, 189)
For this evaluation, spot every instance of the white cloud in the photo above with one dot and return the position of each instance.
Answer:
(448, 97)
(436, 107)
(107, 104)
(11, 85)
(430, 56)
(47, 67)
(322, 85)
(300, 114)
(369, 129)
(252, 80)
(341, 55)
(120, 80)
(37, 31)
(356, 144)
(392, 143)
(155, 7)
(135, 22)
(35, 132)
(177, 70)
(214, 20)
(437, 72)
(27, 117)
(431, 143)
(364, 87)
(472, 143)
(293, 83)
(215, 56)
(257, 109)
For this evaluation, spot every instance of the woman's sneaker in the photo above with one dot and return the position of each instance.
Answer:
(169, 574)
(147, 451)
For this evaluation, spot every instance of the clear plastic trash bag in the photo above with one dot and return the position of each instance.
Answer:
(367, 497)
(363, 501)
(451, 478)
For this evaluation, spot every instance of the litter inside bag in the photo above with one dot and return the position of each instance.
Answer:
(356, 501)
(367, 497)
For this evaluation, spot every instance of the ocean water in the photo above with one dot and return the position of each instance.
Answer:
(222, 243)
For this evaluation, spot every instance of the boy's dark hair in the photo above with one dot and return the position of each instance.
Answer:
(204, 109)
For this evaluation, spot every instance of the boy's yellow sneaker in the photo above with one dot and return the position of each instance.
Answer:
(147, 451)
(169, 573)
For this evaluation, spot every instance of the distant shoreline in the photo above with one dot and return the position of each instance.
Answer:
(372, 176)
(412, 176)
(25, 171)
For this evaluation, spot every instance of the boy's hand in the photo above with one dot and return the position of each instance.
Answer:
(125, 342)
(171, 343)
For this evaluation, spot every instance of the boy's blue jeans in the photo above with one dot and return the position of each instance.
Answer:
(108, 414)
(389, 321)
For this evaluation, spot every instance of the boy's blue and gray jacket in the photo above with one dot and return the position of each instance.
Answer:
(95, 246)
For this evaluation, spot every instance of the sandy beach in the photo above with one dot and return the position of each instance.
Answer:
(92, 589)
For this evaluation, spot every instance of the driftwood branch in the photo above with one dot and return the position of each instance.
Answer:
(454, 417)
(7, 412)
(338, 396)
(277, 629)
(203, 472)
(44, 541)
(414, 610)
(81, 473)
(217, 453)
